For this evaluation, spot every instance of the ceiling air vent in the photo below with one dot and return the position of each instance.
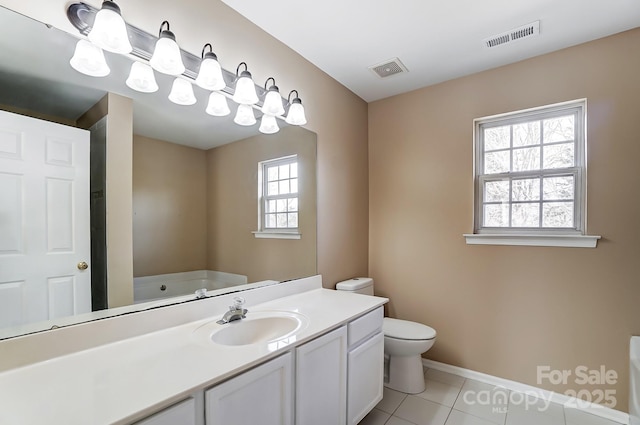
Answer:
(388, 68)
(525, 31)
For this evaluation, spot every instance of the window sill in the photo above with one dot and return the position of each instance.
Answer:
(277, 235)
(570, 241)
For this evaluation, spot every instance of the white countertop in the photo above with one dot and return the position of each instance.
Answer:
(125, 381)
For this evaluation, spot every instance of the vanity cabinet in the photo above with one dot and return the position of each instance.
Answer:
(262, 395)
(321, 380)
(183, 413)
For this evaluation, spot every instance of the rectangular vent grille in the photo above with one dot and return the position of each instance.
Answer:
(388, 68)
(525, 31)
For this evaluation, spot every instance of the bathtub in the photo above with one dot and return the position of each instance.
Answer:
(634, 374)
(150, 288)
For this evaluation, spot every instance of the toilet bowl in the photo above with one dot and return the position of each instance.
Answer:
(404, 343)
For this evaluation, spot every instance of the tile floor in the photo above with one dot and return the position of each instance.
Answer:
(453, 400)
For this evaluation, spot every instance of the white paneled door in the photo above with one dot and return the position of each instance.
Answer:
(44, 220)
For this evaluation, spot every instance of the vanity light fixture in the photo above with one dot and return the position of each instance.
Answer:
(217, 106)
(210, 75)
(141, 78)
(89, 60)
(182, 92)
(244, 115)
(166, 56)
(296, 110)
(245, 93)
(109, 30)
(272, 101)
(269, 124)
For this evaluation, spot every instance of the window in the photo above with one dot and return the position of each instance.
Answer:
(530, 172)
(279, 209)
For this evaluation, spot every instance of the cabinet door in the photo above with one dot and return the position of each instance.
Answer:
(183, 413)
(366, 373)
(263, 395)
(321, 380)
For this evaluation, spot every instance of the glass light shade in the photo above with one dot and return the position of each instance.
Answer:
(89, 60)
(269, 124)
(182, 92)
(273, 103)
(245, 93)
(245, 115)
(141, 78)
(166, 57)
(109, 30)
(217, 106)
(296, 113)
(210, 75)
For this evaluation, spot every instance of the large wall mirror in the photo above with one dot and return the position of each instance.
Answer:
(196, 185)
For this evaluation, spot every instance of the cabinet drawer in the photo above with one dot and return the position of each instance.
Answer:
(183, 413)
(365, 326)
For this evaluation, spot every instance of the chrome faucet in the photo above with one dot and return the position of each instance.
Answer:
(236, 312)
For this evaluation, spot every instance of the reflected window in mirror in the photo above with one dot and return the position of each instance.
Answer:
(278, 189)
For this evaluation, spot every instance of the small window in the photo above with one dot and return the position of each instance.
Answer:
(530, 171)
(279, 201)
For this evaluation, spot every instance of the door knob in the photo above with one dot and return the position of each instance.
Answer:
(82, 265)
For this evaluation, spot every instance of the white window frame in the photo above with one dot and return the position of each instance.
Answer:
(534, 236)
(275, 233)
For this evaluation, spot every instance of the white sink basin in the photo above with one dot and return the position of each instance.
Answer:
(263, 327)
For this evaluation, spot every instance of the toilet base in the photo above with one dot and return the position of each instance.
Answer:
(405, 374)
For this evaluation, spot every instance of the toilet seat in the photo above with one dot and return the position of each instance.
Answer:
(406, 330)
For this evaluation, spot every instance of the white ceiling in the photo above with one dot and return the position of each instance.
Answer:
(437, 41)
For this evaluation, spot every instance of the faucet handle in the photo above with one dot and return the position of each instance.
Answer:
(238, 302)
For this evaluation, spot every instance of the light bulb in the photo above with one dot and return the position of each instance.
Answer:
(182, 92)
(141, 78)
(166, 56)
(273, 103)
(245, 93)
(245, 116)
(296, 113)
(210, 75)
(89, 60)
(217, 106)
(269, 124)
(109, 30)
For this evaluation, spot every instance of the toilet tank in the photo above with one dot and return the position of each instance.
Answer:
(359, 285)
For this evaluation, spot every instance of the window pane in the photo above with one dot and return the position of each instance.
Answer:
(526, 134)
(496, 191)
(271, 206)
(294, 185)
(496, 215)
(557, 214)
(284, 186)
(496, 162)
(293, 220)
(282, 220)
(559, 156)
(558, 188)
(526, 159)
(525, 215)
(294, 170)
(272, 188)
(284, 171)
(282, 205)
(496, 138)
(292, 204)
(270, 220)
(558, 129)
(272, 174)
(525, 190)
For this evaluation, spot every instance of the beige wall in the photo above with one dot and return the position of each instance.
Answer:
(337, 115)
(506, 310)
(169, 207)
(233, 208)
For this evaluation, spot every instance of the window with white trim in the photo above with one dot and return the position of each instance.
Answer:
(278, 190)
(530, 171)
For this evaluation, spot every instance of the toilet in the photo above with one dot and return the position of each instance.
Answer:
(404, 343)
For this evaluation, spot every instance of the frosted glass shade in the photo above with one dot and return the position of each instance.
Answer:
(89, 60)
(109, 30)
(296, 113)
(141, 78)
(269, 124)
(217, 106)
(166, 57)
(182, 92)
(245, 115)
(245, 93)
(273, 103)
(210, 75)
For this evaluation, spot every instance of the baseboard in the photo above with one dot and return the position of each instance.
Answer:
(592, 408)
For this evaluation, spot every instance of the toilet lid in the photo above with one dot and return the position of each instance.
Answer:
(404, 329)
